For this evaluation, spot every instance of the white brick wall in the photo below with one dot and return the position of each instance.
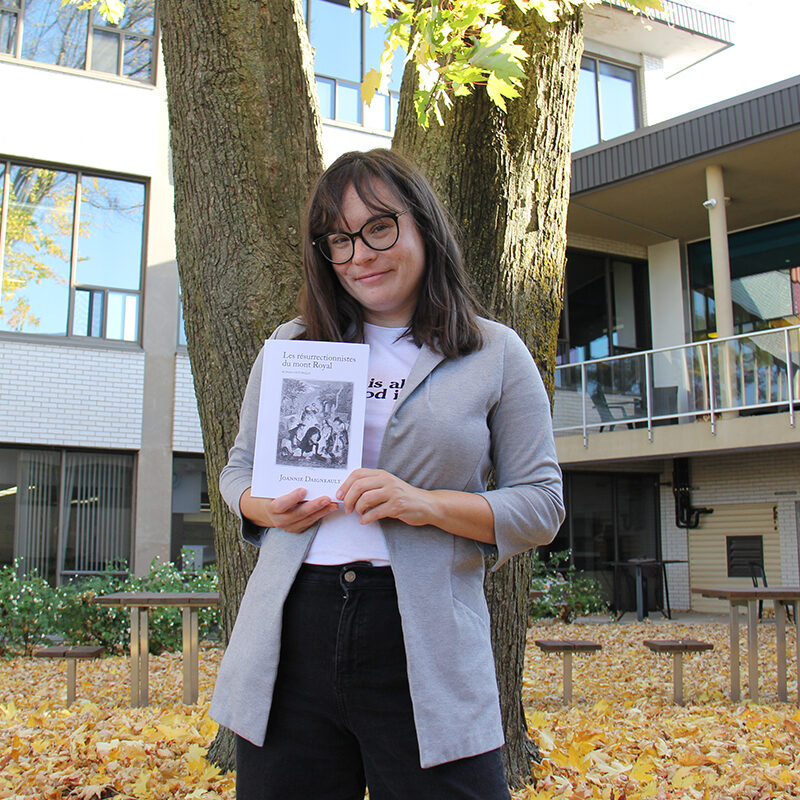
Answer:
(602, 245)
(59, 394)
(186, 434)
(754, 477)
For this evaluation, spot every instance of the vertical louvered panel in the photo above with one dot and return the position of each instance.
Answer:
(708, 563)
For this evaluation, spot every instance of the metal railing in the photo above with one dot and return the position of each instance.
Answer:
(692, 19)
(748, 374)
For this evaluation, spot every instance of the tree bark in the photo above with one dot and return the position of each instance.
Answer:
(246, 146)
(505, 179)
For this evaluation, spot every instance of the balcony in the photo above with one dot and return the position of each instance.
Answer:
(713, 391)
(681, 35)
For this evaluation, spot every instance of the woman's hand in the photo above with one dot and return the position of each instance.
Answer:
(287, 511)
(376, 494)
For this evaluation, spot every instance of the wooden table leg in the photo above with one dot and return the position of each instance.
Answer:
(640, 612)
(752, 648)
(567, 678)
(135, 665)
(191, 656)
(72, 673)
(780, 648)
(734, 647)
(677, 678)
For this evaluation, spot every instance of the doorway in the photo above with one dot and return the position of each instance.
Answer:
(611, 516)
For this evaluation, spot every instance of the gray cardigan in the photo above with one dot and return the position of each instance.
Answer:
(453, 421)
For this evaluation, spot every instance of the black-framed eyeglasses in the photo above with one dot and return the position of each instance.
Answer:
(378, 233)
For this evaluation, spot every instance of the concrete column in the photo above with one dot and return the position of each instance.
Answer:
(153, 517)
(720, 260)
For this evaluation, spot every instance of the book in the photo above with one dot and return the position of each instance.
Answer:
(310, 428)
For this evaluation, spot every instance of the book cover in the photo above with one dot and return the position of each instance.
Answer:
(310, 427)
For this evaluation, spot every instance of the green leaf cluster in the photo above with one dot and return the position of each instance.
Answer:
(34, 613)
(457, 45)
(568, 592)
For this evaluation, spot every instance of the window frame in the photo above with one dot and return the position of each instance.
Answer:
(60, 540)
(643, 314)
(696, 292)
(393, 97)
(635, 69)
(74, 286)
(122, 33)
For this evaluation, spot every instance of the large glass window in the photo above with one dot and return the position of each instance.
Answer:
(65, 513)
(346, 46)
(606, 103)
(606, 307)
(765, 279)
(48, 32)
(71, 262)
(611, 518)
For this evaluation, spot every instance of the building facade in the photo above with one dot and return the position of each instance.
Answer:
(100, 444)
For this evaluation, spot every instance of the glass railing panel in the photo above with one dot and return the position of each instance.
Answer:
(616, 391)
(793, 347)
(568, 399)
(750, 372)
(679, 382)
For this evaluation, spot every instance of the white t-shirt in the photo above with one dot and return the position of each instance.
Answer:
(341, 537)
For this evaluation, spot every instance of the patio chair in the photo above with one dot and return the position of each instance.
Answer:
(756, 573)
(606, 410)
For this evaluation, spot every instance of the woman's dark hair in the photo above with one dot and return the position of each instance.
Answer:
(446, 311)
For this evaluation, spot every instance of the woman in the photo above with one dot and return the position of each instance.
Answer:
(361, 654)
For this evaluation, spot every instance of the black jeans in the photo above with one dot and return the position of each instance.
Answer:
(341, 716)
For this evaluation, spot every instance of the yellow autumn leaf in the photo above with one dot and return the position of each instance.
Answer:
(642, 770)
(370, 85)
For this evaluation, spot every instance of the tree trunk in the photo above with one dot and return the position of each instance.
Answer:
(246, 147)
(505, 179)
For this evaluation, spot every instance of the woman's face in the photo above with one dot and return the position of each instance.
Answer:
(386, 283)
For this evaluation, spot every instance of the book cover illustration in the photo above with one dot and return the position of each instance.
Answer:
(311, 416)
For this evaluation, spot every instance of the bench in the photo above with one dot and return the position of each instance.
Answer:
(677, 647)
(567, 647)
(71, 656)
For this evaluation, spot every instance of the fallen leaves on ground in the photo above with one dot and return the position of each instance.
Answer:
(100, 747)
(622, 739)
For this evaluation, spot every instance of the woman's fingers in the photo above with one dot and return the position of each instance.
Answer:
(298, 516)
(376, 494)
(284, 503)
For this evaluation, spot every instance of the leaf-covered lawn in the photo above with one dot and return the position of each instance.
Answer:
(622, 739)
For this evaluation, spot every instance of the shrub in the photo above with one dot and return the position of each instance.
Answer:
(32, 612)
(26, 609)
(569, 592)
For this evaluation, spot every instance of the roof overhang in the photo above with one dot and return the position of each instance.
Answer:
(648, 187)
(680, 35)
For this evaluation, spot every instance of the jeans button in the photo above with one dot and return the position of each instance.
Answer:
(350, 576)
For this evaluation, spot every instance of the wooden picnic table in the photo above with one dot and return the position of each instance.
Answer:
(782, 597)
(140, 604)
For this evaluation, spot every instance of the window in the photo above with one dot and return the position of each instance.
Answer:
(606, 103)
(65, 513)
(745, 556)
(346, 46)
(71, 261)
(191, 513)
(606, 307)
(611, 517)
(68, 36)
(765, 279)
